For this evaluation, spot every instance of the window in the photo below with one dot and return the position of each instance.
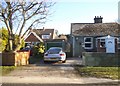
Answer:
(102, 43)
(119, 43)
(88, 41)
(45, 36)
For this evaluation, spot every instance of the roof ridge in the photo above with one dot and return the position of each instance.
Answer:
(44, 29)
(37, 36)
(97, 23)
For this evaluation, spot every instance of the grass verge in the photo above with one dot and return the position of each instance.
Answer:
(6, 70)
(99, 72)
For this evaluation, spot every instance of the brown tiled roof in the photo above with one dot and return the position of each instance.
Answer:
(95, 29)
(40, 32)
(43, 31)
(62, 36)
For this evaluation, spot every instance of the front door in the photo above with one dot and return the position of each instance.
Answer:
(110, 45)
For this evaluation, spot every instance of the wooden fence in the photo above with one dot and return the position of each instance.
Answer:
(15, 58)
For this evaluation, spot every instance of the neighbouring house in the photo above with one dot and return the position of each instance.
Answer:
(49, 37)
(36, 36)
(95, 37)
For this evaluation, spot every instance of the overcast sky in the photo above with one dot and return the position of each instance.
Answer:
(66, 12)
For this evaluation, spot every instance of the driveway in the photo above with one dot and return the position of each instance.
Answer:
(52, 72)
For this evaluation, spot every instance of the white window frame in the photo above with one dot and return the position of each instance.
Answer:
(88, 43)
(45, 36)
(118, 42)
(101, 40)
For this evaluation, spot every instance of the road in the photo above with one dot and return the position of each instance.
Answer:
(51, 74)
(98, 84)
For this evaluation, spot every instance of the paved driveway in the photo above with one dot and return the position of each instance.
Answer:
(53, 72)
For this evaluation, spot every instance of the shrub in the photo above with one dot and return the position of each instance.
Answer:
(38, 49)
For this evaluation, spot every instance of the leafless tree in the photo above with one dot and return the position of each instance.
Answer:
(20, 15)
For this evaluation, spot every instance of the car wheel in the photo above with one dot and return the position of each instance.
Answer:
(45, 61)
(64, 61)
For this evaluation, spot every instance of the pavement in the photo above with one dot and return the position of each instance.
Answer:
(98, 84)
(55, 74)
(55, 80)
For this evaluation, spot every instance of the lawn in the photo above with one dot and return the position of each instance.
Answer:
(6, 69)
(99, 72)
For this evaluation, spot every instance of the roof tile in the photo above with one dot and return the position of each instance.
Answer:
(95, 29)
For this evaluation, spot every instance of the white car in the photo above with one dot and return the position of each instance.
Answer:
(55, 54)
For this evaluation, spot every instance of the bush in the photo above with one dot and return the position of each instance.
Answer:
(38, 49)
(35, 50)
(3, 38)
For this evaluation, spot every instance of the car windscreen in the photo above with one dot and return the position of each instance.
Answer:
(54, 51)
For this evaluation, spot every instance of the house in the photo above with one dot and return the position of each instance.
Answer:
(49, 37)
(36, 36)
(95, 37)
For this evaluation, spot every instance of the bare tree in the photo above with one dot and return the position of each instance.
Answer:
(20, 15)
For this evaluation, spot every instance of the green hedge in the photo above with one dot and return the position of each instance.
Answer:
(100, 59)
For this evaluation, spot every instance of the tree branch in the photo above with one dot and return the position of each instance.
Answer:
(30, 6)
(31, 26)
(9, 16)
(32, 13)
(35, 12)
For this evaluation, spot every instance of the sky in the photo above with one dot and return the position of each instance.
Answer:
(66, 12)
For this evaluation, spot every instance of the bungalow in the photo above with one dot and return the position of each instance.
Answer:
(95, 37)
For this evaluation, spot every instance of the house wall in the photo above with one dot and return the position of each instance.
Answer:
(54, 35)
(31, 38)
(78, 46)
